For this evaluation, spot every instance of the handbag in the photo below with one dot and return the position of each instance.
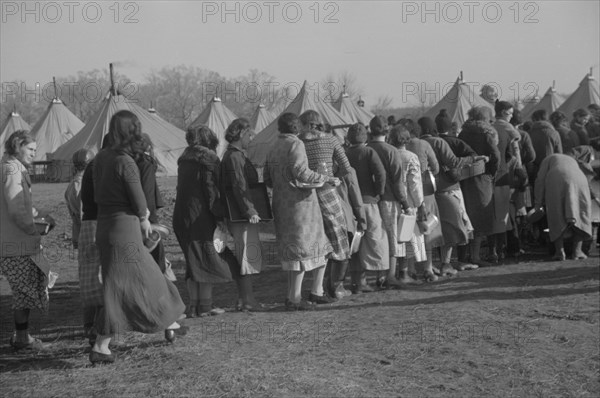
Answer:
(426, 220)
(406, 227)
(428, 181)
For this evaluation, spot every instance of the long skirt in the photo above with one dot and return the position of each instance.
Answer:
(334, 223)
(478, 193)
(373, 253)
(456, 226)
(90, 286)
(435, 238)
(137, 296)
(27, 282)
(248, 251)
(501, 208)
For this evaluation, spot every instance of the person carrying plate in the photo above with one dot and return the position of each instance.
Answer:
(21, 261)
(322, 151)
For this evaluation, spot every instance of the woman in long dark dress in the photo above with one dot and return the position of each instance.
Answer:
(238, 175)
(137, 296)
(479, 190)
(195, 217)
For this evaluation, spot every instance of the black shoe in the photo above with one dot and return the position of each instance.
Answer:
(324, 299)
(303, 305)
(98, 357)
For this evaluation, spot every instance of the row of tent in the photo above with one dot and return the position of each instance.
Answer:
(59, 133)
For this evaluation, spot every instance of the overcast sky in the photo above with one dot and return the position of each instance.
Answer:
(393, 48)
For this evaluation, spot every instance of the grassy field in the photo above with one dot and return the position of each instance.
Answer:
(525, 329)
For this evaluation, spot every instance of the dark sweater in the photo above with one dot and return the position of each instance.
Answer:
(369, 171)
(390, 158)
(148, 167)
(117, 185)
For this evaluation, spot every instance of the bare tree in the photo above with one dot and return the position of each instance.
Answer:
(247, 92)
(333, 85)
(383, 105)
(180, 92)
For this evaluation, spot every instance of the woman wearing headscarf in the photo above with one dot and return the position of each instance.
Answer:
(322, 151)
(21, 261)
(563, 189)
(479, 190)
(238, 175)
(137, 296)
(302, 243)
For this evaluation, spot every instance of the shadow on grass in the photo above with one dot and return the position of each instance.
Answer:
(25, 361)
(474, 296)
(561, 276)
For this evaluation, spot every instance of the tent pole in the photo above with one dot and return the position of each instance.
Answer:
(112, 83)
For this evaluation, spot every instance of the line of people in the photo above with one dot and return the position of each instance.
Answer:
(325, 193)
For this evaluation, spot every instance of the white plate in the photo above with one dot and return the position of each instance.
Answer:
(306, 185)
(161, 229)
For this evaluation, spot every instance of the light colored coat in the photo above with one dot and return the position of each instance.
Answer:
(563, 188)
(298, 221)
(18, 234)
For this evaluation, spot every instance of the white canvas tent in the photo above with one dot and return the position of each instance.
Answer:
(261, 118)
(586, 94)
(457, 102)
(261, 145)
(56, 126)
(217, 117)
(351, 111)
(14, 122)
(549, 102)
(168, 141)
